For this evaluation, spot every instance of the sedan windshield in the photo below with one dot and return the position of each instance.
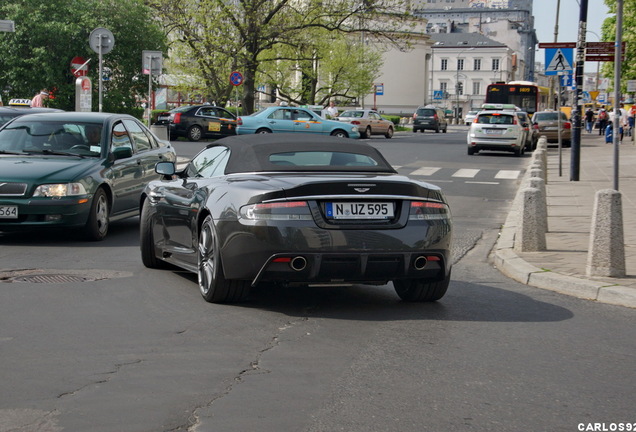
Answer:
(60, 138)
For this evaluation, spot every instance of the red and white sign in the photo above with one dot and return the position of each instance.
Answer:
(79, 66)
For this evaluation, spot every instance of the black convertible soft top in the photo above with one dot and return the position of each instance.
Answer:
(251, 153)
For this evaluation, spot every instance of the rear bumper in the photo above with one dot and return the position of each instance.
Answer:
(263, 253)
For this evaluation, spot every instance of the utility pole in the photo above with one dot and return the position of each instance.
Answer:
(575, 161)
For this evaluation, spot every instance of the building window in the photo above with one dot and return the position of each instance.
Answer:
(460, 64)
(444, 64)
(460, 88)
(443, 86)
(477, 64)
(495, 64)
(476, 88)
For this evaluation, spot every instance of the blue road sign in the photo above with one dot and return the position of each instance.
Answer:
(558, 60)
(236, 78)
(438, 95)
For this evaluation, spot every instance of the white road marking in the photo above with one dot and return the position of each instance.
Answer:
(425, 171)
(508, 174)
(466, 173)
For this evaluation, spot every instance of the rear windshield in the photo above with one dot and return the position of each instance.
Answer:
(358, 114)
(306, 159)
(548, 116)
(425, 112)
(495, 118)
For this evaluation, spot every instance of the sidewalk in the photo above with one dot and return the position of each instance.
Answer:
(570, 205)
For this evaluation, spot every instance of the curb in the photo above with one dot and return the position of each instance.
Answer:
(506, 260)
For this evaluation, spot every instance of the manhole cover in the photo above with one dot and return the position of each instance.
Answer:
(50, 278)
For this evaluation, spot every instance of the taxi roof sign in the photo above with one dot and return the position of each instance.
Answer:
(20, 102)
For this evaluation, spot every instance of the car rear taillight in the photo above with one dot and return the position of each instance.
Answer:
(426, 210)
(177, 118)
(239, 121)
(435, 117)
(567, 125)
(286, 210)
(414, 115)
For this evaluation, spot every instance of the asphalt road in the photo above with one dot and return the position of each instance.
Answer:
(118, 347)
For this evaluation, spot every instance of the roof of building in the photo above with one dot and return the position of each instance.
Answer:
(463, 40)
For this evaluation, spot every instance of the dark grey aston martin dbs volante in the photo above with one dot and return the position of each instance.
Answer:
(296, 209)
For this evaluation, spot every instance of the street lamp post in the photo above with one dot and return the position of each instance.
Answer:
(457, 85)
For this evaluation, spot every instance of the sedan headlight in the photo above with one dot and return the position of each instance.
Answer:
(60, 190)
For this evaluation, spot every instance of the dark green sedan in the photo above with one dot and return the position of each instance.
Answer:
(75, 170)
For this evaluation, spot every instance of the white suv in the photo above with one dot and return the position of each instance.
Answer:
(499, 130)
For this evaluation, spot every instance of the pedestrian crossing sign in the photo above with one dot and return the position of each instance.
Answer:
(558, 60)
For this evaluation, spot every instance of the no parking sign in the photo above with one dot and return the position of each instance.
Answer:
(236, 78)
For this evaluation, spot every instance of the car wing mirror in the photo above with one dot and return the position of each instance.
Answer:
(165, 168)
(122, 153)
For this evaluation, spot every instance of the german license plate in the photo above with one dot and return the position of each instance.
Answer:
(8, 212)
(551, 128)
(359, 210)
(214, 127)
(493, 131)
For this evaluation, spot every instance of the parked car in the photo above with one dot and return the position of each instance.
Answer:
(75, 170)
(429, 118)
(195, 122)
(293, 119)
(547, 123)
(369, 122)
(469, 117)
(7, 113)
(296, 210)
(496, 130)
(531, 132)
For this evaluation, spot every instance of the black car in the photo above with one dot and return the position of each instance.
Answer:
(296, 209)
(7, 113)
(75, 170)
(429, 118)
(195, 122)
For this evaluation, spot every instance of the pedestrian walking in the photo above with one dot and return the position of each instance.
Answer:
(602, 121)
(589, 120)
(39, 99)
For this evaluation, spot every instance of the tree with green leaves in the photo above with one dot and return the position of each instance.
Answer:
(244, 35)
(49, 33)
(628, 65)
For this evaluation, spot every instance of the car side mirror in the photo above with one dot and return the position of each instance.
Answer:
(165, 168)
(122, 153)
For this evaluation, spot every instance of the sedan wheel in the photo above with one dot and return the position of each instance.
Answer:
(212, 283)
(389, 132)
(367, 132)
(96, 227)
(340, 133)
(263, 131)
(195, 133)
(421, 290)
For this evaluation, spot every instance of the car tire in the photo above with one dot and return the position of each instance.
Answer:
(518, 152)
(212, 283)
(195, 133)
(263, 131)
(389, 133)
(97, 224)
(421, 290)
(445, 129)
(437, 129)
(340, 133)
(147, 240)
(471, 151)
(367, 132)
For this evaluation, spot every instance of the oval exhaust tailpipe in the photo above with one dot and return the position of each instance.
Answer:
(420, 263)
(298, 263)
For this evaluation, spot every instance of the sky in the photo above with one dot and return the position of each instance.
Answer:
(545, 11)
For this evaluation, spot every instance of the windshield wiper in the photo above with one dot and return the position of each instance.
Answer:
(10, 152)
(53, 152)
